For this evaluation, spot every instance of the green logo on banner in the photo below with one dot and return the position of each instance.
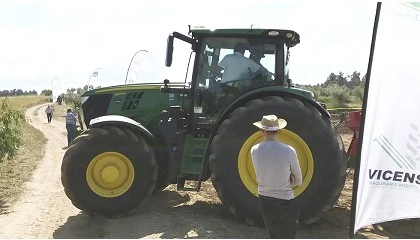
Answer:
(412, 5)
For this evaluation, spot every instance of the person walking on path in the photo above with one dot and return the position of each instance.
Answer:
(49, 112)
(277, 170)
(70, 126)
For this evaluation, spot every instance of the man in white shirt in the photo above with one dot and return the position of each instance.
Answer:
(49, 112)
(277, 169)
(237, 67)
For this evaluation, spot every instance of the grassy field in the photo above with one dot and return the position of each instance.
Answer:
(27, 101)
(15, 172)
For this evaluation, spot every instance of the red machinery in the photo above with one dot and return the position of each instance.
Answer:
(352, 121)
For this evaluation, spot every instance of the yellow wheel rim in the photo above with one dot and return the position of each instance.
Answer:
(110, 174)
(246, 168)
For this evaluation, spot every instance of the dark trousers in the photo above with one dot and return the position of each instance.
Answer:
(280, 216)
(70, 133)
(49, 116)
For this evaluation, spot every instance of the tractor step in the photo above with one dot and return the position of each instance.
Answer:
(192, 162)
(180, 186)
(193, 157)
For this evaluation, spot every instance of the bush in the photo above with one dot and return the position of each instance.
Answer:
(359, 92)
(10, 129)
(340, 94)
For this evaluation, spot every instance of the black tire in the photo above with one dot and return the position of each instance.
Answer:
(108, 139)
(329, 162)
(162, 183)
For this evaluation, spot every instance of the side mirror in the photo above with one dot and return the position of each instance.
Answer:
(169, 50)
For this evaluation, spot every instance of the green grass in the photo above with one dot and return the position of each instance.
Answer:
(27, 101)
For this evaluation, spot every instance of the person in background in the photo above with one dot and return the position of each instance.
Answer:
(256, 55)
(49, 112)
(70, 126)
(59, 100)
(277, 169)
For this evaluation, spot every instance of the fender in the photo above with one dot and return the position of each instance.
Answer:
(273, 91)
(124, 121)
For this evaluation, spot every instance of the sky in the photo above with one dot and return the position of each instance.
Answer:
(45, 42)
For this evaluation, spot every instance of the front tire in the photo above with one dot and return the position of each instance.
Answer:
(319, 148)
(109, 171)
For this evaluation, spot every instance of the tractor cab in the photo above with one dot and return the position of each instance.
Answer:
(231, 62)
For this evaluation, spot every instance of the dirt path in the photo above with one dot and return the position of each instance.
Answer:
(44, 211)
(44, 206)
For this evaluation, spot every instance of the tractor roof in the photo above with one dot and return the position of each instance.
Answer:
(291, 37)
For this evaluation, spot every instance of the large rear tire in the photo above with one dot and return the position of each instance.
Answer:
(109, 171)
(319, 148)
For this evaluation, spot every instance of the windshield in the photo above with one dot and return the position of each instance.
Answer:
(229, 60)
(228, 67)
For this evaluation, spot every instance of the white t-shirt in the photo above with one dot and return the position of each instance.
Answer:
(237, 67)
(273, 163)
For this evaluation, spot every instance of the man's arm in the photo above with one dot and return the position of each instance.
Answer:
(217, 70)
(295, 172)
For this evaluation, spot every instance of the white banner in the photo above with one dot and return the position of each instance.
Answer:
(57, 87)
(137, 67)
(389, 176)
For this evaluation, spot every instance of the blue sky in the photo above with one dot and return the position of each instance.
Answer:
(69, 39)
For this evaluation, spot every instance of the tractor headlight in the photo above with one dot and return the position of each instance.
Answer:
(84, 99)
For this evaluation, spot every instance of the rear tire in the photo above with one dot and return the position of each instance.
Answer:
(109, 171)
(323, 172)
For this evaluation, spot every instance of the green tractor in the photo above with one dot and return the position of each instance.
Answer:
(142, 137)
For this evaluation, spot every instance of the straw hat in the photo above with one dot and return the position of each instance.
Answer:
(271, 123)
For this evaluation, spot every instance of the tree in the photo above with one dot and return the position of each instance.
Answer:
(332, 79)
(364, 79)
(73, 96)
(5, 93)
(46, 92)
(354, 80)
(341, 79)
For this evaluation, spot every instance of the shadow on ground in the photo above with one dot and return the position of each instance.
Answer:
(165, 215)
(3, 208)
(169, 214)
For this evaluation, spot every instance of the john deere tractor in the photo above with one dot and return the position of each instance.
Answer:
(142, 137)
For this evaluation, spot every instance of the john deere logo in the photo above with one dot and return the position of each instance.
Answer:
(413, 5)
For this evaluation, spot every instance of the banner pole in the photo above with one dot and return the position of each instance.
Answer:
(362, 123)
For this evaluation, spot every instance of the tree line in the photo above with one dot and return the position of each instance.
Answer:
(20, 92)
(16, 92)
(339, 90)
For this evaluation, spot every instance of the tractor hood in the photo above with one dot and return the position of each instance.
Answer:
(142, 102)
(136, 86)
